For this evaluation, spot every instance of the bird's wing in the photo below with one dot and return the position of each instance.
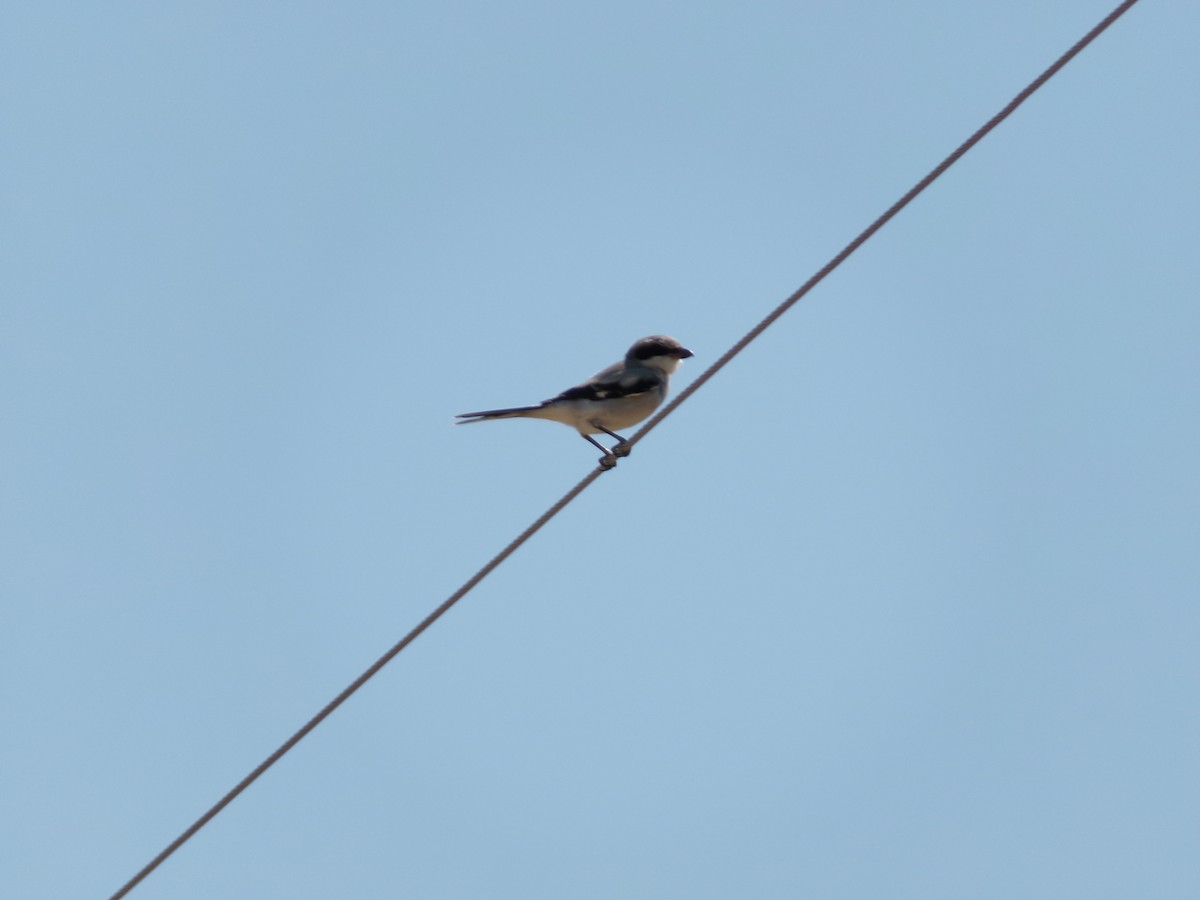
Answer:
(614, 382)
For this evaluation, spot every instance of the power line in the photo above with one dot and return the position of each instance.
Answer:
(360, 681)
(645, 429)
(870, 230)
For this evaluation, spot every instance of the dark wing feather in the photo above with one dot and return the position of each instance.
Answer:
(608, 388)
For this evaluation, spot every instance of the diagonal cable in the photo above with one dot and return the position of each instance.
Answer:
(887, 216)
(554, 510)
(360, 681)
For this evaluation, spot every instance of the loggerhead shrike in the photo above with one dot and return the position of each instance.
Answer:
(619, 397)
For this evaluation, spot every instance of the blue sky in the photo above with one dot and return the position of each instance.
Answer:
(901, 604)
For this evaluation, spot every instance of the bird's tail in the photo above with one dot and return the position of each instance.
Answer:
(485, 415)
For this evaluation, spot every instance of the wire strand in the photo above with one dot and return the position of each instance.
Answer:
(361, 680)
(887, 216)
(567, 498)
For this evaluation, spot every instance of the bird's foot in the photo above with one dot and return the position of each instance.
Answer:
(608, 461)
(622, 449)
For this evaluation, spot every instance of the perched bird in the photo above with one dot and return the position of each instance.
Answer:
(619, 397)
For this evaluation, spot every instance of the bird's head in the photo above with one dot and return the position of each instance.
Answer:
(658, 351)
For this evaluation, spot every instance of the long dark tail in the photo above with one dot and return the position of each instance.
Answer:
(484, 415)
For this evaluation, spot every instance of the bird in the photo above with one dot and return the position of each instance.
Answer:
(615, 398)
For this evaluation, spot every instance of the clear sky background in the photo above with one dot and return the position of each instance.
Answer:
(902, 604)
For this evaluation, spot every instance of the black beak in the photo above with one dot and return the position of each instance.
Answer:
(683, 353)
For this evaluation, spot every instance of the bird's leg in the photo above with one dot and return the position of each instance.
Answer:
(622, 447)
(609, 459)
